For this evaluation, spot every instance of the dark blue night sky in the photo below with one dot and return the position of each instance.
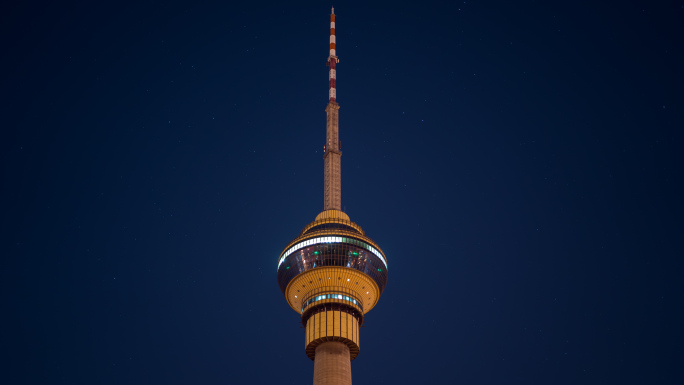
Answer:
(519, 162)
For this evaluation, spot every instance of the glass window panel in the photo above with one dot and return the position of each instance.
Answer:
(348, 252)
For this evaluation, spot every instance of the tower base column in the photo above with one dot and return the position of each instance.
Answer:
(332, 365)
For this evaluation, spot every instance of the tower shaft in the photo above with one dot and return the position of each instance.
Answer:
(332, 365)
(333, 154)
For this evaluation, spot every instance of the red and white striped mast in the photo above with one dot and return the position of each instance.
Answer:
(333, 154)
(332, 60)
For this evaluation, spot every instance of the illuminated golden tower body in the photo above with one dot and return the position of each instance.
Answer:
(332, 274)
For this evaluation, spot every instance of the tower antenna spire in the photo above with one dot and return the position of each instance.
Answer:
(332, 157)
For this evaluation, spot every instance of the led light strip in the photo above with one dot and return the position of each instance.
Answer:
(331, 296)
(315, 241)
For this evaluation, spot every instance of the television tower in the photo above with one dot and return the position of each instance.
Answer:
(332, 274)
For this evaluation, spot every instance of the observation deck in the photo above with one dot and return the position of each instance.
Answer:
(332, 269)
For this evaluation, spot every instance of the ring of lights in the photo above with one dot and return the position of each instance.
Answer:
(332, 297)
(317, 240)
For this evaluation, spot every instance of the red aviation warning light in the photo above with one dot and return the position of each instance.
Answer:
(332, 61)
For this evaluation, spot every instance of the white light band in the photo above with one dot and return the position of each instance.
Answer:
(331, 296)
(315, 241)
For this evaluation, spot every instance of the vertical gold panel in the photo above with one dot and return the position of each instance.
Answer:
(317, 325)
(336, 316)
(328, 323)
(314, 329)
(343, 325)
(357, 335)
